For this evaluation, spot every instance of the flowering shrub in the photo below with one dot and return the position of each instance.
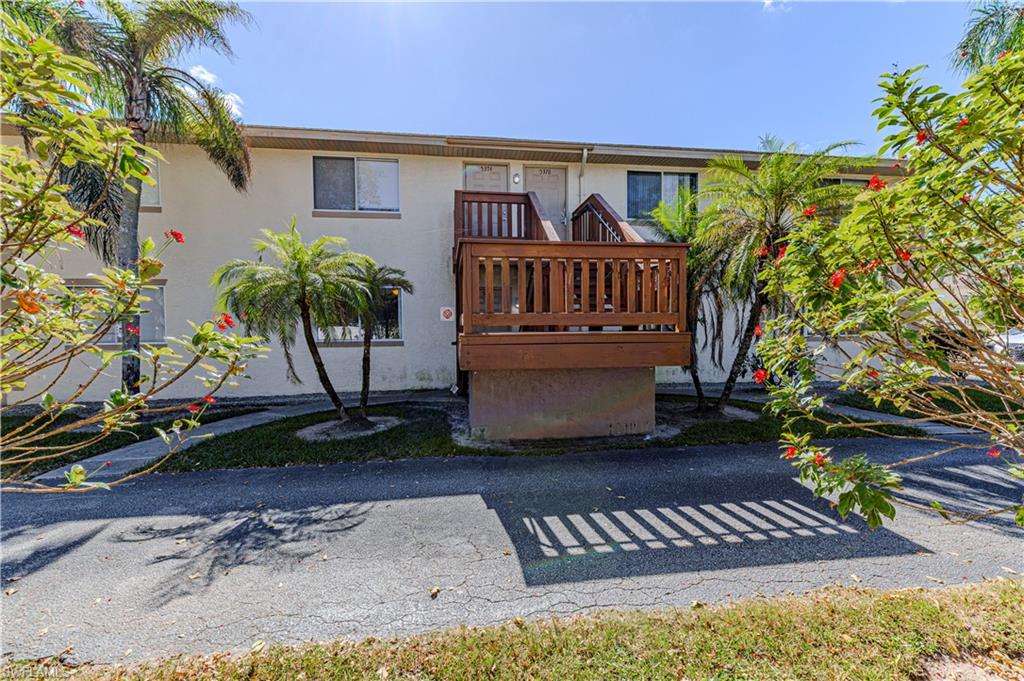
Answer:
(48, 325)
(916, 289)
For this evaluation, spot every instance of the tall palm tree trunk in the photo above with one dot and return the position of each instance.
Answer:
(760, 300)
(691, 324)
(318, 362)
(698, 387)
(137, 120)
(364, 394)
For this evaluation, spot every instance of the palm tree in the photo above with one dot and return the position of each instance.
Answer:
(133, 45)
(680, 222)
(380, 283)
(996, 26)
(311, 285)
(750, 215)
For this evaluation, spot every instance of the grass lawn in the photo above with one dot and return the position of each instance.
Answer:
(768, 428)
(837, 633)
(984, 401)
(426, 433)
(137, 432)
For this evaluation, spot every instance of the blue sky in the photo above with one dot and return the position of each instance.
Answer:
(690, 74)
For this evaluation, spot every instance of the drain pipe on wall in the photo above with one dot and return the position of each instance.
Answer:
(583, 169)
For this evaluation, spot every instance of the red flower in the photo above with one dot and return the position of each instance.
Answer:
(837, 278)
(873, 373)
(176, 235)
(1002, 54)
(870, 267)
(209, 399)
(791, 452)
(810, 210)
(757, 330)
(782, 252)
(962, 123)
(764, 251)
(876, 184)
(194, 408)
(820, 460)
(922, 136)
(222, 326)
(904, 254)
(108, 463)
(760, 375)
(965, 199)
(131, 329)
(895, 166)
(225, 318)
(75, 231)
(994, 453)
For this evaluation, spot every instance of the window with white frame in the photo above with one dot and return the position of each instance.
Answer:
(646, 189)
(149, 194)
(355, 184)
(151, 318)
(389, 322)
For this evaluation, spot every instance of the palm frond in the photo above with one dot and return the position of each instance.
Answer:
(166, 28)
(995, 26)
(186, 109)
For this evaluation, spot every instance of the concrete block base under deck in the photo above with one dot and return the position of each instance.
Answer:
(530, 404)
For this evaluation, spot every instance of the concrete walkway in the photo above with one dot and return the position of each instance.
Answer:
(218, 560)
(131, 457)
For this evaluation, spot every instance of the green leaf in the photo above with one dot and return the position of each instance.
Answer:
(163, 436)
(941, 510)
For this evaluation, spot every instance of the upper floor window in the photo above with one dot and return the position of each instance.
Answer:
(149, 195)
(151, 319)
(356, 184)
(644, 190)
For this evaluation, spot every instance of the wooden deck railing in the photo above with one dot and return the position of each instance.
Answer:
(596, 220)
(501, 215)
(539, 285)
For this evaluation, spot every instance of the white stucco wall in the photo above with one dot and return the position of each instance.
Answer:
(220, 224)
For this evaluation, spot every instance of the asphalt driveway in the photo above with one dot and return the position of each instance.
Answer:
(219, 560)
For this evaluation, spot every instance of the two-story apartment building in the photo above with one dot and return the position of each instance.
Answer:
(430, 204)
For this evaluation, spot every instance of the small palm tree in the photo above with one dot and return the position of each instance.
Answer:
(134, 45)
(311, 286)
(679, 222)
(996, 26)
(380, 283)
(751, 213)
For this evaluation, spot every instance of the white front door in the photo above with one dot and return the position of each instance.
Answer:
(549, 184)
(482, 177)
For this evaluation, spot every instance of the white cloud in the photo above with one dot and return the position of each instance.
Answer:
(234, 103)
(774, 6)
(200, 72)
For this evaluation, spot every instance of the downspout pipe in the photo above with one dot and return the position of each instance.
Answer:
(583, 170)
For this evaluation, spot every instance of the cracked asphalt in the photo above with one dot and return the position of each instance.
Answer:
(198, 562)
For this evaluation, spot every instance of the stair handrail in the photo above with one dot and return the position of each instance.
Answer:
(596, 204)
(543, 229)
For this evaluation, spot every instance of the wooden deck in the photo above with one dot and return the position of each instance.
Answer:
(526, 300)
